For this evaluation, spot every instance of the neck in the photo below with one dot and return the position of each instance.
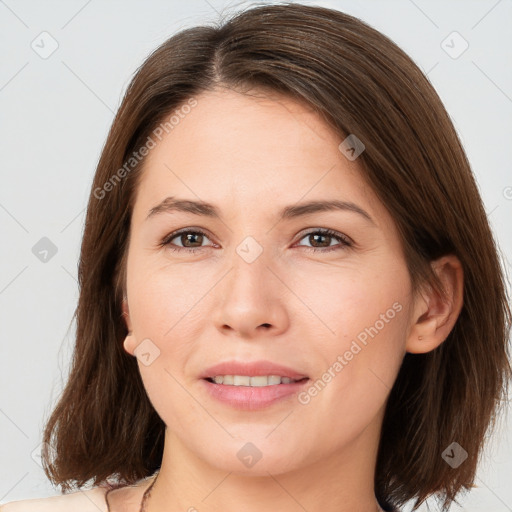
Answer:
(341, 481)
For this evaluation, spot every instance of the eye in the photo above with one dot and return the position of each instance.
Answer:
(324, 237)
(191, 240)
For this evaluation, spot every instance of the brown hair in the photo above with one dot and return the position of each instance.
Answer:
(361, 83)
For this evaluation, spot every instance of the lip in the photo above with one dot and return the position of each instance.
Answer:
(252, 369)
(248, 398)
(252, 398)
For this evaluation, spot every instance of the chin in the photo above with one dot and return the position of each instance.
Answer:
(257, 458)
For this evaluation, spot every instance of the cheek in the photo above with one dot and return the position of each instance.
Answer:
(162, 314)
(163, 308)
(344, 300)
(358, 365)
(358, 324)
(165, 297)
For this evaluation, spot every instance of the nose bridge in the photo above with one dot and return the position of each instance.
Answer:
(249, 279)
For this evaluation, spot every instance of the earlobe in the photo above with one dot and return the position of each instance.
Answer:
(435, 314)
(129, 344)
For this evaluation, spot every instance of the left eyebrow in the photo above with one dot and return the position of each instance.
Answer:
(171, 204)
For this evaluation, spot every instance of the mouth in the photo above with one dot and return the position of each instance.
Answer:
(253, 392)
(252, 385)
(256, 381)
(251, 373)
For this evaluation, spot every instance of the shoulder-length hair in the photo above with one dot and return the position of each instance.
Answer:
(360, 83)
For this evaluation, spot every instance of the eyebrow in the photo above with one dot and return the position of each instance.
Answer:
(171, 204)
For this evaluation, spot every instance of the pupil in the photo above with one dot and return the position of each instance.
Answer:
(316, 236)
(188, 238)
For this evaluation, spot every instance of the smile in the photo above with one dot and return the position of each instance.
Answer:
(252, 381)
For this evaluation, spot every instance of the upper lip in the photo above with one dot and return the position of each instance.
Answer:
(251, 369)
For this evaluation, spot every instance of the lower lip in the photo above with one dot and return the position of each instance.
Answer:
(250, 398)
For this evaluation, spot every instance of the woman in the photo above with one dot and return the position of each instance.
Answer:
(290, 297)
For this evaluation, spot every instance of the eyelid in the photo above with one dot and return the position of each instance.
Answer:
(326, 231)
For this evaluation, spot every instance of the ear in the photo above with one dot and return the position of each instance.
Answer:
(129, 343)
(434, 314)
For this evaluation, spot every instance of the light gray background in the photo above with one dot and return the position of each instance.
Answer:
(55, 115)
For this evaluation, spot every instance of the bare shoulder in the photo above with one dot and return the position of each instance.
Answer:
(91, 500)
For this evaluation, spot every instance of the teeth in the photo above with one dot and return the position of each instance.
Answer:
(245, 380)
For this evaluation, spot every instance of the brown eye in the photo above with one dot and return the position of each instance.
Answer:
(321, 240)
(188, 240)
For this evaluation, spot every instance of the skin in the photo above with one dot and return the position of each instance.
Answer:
(251, 156)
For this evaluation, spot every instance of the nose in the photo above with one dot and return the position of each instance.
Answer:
(250, 300)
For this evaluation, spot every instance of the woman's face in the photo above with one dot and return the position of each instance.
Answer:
(247, 286)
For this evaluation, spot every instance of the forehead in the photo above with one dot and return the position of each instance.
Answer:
(251, 148)
(228, 125)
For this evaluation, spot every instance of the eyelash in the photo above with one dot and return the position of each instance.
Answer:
(343, 239)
